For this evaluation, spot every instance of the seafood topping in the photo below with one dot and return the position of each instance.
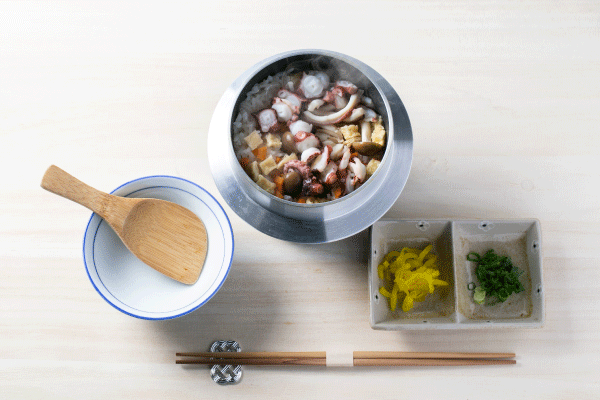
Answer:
(318, 140)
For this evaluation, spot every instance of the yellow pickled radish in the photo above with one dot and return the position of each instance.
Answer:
(411, 273)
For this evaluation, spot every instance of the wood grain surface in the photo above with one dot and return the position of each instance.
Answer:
(504, 102)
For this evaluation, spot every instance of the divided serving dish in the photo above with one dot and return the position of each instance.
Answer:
(452, 306)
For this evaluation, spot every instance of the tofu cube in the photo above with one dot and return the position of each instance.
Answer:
(273, 141)
(351, 133)
(378, 134)
(253, 171)
(372, 167)
(284, 160)
(254, 140)
(266, 184)
(268, 165)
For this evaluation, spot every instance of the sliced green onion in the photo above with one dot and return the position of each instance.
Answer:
(472, 256)
(497, 276)
(479, 295)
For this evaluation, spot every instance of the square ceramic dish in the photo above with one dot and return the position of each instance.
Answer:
(452, 306)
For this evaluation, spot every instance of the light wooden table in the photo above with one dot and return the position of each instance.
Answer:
(504, 101)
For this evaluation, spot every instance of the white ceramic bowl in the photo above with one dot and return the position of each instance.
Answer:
(134, 288)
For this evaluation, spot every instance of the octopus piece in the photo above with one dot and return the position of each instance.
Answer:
(340, 102)
(310, 154)
(346, 87)
(323, 77)
(283, 108)
(345, 159)
(267, 119)
(322, 160)
(358, 169)
(305, 140)
(300, 166)
(313, 188)
(300, 125)
(310, 185)
(326, 140)
(350, 182)
(332, 130)
(329, 174)
(336, 97)
(293, 99)
(335, 117)
(311, 86)
(331, 94)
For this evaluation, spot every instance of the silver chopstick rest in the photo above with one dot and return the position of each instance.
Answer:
(226, 374)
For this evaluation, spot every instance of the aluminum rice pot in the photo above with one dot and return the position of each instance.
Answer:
(323, 222)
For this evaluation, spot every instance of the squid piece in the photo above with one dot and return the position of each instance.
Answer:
(356, 114)
(333, 136)
(315, 104)
(335, 117)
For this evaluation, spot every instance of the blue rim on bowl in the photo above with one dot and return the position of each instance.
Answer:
(137, 289)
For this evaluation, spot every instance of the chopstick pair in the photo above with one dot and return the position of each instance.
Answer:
(359, 358)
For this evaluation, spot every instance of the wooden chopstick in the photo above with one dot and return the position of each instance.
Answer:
(425, 362)
(255, 358)
(360, 358)
(255, 354)
(427, 355)
(255, 361)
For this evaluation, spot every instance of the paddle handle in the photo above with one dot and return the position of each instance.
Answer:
(59, 182)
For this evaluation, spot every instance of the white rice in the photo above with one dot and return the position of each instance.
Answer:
(258, 98)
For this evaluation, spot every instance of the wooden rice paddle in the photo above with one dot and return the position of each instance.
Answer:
(164, 235)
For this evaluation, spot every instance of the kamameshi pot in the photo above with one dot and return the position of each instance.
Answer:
(322, 222)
